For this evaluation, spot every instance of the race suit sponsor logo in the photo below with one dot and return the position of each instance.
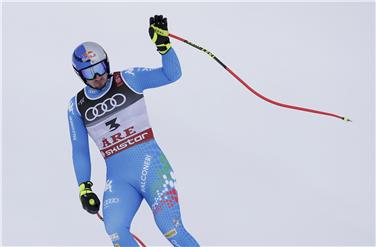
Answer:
(107, 105)
(129, 71)
(114, 236)
(144, 172)
(73, 129)
(175, 243)
(118, 137)
(125, 143)
(82, 100)
(108, 186)
(110, 201)
(146, 69)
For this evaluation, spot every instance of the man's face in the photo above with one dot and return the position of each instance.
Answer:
(98, 81)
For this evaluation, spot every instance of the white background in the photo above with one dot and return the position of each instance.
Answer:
(249, 173)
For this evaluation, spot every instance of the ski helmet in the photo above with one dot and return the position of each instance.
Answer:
(90, 59)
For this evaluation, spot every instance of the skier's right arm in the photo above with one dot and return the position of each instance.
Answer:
(80, 144)
(81, 159)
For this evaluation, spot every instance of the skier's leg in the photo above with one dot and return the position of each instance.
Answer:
(161, 195)
(120, 203)
(170, 224)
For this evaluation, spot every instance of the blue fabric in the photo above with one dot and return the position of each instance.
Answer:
(142, 172)
(80, 143)
(143, 78)
(137, 173)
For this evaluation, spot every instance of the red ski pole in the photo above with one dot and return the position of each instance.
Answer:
(251, 89)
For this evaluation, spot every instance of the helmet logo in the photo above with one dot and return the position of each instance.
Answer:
(89, 55)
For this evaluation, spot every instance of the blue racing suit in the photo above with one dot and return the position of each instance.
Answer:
(115, 117)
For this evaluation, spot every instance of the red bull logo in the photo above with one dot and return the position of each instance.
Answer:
(89, 55)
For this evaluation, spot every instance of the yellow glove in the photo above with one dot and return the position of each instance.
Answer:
(159, 34)
(89, 199)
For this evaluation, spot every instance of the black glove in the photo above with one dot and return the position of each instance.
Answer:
(89, 199)
(159, 33)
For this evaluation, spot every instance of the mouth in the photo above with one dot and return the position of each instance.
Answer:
(99, 81)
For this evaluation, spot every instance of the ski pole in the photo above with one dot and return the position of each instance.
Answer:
(251, 89)
(134, 236)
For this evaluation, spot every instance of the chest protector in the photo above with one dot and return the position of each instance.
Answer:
(116, 121)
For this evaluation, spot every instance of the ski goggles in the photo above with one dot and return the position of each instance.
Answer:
(98, 69)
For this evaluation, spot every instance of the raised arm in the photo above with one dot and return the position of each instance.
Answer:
(142, 78)
(80, 144)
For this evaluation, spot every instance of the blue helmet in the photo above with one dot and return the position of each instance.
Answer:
(89, 54)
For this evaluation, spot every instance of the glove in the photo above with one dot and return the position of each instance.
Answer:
(159, 34)
(89, 199)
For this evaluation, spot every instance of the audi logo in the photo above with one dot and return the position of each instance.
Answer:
(106, 106)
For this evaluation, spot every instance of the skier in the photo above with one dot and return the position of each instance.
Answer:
(111, 109)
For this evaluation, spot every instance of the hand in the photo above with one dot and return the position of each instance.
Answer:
(159, 33)
(89, 199)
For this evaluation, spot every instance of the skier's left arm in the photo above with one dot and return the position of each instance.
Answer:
(139, 78)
